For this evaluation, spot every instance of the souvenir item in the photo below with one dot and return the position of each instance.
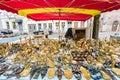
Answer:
(77, 75)
(65, 67)
(95, 74)
(85, 73)
(76, 72)
(37, 73)
(26, 70)
(3, 68)
(106, 76)
(68, 74)
(59, 73)
(117, 65)
(2, 59)
(50, 63)
(51, 72)
(116, 71)
(43, 71)
(16, 72)
(109, 73)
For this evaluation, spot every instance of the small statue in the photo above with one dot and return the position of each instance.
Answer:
(93, 71)
(76, 72)
(117, 65)
(2, 59)
(44, 71)
(109, 73)
(3, 68)
(16, 72)
(36, 75)
(59, 73)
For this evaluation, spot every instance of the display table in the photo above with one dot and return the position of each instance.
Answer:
(53, 58)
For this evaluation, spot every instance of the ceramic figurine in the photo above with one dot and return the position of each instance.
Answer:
(117, 65)
(37, 73)
(116, 71)
(59, 73)
(95, 74)
(51, 73)
(106, 76)
(2, 59)
(85, 73)
(76, 72)
(16, 72)
(3, 68)
(44, 71)
(109, 73)
(26, 70)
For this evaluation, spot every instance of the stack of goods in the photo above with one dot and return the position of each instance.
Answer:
(92, 59)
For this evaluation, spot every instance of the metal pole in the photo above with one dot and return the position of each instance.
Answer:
(59, 31)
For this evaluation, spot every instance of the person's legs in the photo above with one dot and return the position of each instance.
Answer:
(46, 36)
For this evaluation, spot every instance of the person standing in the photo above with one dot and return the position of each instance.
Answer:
(46, 32)
(70, 33)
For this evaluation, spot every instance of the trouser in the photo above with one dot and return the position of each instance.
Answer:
(46, 36)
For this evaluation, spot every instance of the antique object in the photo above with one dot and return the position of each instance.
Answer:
(3, 68)
(68, 74)
(2, 59)
(117, 65)
(109, 73)
(85, 73)
(59, 73)
(116, 71)
(43, 71)
(50, 63)
(37, 73)
(26, 71)
(76, 72)
(16, 72)
(95, 74)
(51, 72)
(106, 76)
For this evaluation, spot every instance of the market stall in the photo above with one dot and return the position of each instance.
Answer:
(51, 59)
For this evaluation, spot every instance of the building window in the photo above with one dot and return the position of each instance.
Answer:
(39, 26)
(14, 25)
(8, 25)
(82, 24)
(50, 26)
(69, 22)
(75, 24)
(45, 25)
(63, 24)
(57, 24)
(29, 27)
(34, 27)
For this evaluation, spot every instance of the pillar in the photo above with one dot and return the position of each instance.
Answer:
(96, 27)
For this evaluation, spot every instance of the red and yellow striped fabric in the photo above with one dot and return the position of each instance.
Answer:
(80, 10)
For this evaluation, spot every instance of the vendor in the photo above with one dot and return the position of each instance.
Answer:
(69, 37)
(46, 32)
(70, 34)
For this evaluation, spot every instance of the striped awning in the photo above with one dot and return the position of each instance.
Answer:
(80, 10)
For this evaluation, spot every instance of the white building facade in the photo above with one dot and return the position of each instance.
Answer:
(10, 21)
(108, 22)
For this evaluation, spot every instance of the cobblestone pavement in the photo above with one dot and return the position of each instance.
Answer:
(54, 36)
